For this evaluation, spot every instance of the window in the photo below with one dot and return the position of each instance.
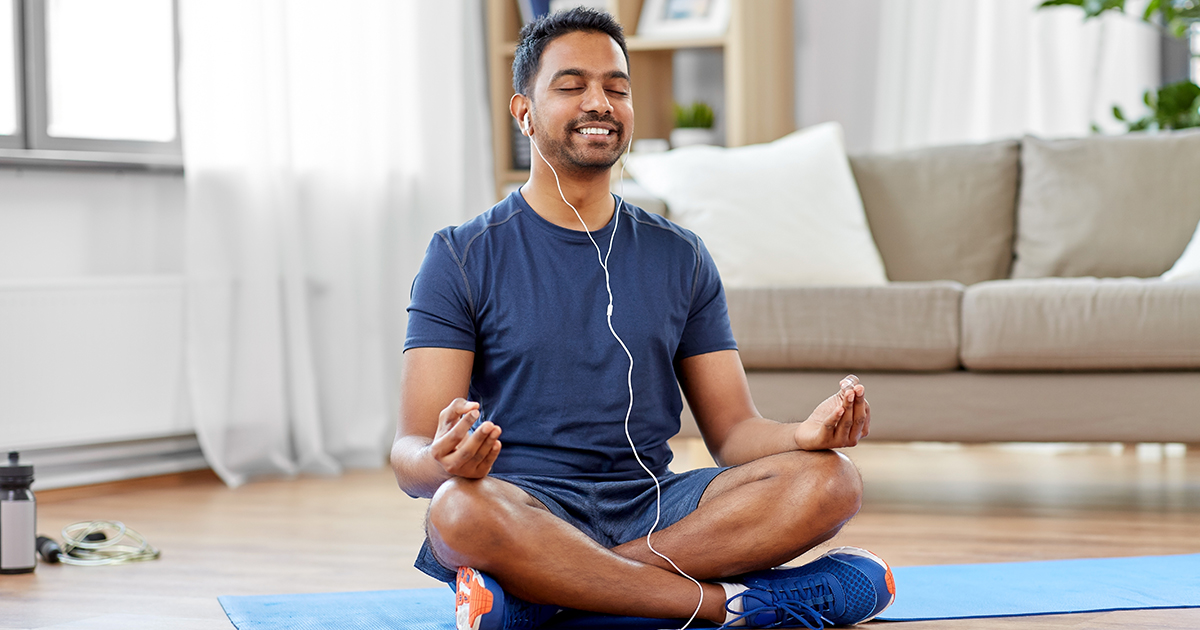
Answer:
(10, 96)
(89, 76)
(1194, 38)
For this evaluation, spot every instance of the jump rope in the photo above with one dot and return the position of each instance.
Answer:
(603, 258)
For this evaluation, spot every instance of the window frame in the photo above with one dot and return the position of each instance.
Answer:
(33, 145)
(17, 140)
(1194, 52)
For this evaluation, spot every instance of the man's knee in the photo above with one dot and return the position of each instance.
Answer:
(829, 480)
(840, 483)
(464, 509)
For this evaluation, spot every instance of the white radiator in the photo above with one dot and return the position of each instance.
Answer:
(86, 362)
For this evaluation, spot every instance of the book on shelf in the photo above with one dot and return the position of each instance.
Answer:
(520, 148)
(533, 9)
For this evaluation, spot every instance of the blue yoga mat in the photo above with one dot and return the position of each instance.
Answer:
(934, 592)
(414, 609)
(1048, 587)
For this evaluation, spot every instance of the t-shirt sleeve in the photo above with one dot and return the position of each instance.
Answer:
(441, 313)
(707, 328)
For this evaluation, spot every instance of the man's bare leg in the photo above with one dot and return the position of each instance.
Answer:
(752, 517)
(495, 527)
(758, 515)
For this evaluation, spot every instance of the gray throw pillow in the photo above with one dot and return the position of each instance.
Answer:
(942, 213)
(1107, 207)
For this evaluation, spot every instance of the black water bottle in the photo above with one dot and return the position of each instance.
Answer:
(18, 517)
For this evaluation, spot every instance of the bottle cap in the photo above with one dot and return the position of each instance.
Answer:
(13, 472)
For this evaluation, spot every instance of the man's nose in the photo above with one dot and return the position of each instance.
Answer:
(595, 100)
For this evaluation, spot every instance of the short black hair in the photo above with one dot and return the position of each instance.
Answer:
(536, 35)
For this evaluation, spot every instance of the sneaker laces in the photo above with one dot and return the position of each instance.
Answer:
(520, 614)
(799, 600)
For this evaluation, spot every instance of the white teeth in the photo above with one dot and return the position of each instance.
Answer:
(593, 131)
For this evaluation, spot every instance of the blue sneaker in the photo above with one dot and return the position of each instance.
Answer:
(843, 587)
(480, 604)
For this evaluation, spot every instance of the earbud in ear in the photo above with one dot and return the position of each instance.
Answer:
(525, 125)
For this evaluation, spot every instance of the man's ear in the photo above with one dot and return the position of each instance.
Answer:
(519, 107)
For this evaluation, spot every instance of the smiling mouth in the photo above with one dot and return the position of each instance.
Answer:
(593, 131)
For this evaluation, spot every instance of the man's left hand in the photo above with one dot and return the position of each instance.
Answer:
(840, 421)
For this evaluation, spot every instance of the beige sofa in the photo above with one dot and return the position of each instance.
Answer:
(1023, 303)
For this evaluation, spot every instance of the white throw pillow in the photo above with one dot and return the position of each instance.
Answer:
(1187, 268)
(786, 213)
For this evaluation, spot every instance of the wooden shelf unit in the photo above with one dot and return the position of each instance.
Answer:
(759, 75)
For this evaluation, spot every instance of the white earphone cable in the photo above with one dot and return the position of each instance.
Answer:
(603, 258)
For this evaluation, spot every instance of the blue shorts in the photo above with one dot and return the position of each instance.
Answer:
(609, 512)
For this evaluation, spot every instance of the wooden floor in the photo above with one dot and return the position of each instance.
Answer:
(924, 504)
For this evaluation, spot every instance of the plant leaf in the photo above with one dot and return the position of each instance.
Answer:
(1150, 9)
(1176, 98)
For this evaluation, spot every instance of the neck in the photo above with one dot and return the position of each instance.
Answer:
(589, 193)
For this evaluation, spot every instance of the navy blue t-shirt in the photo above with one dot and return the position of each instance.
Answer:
(528, 298)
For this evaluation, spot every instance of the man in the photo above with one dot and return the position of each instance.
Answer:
(568, 320)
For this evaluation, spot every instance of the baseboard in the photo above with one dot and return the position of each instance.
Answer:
(68, 466)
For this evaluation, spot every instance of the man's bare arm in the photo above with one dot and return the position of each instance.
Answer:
(433, 437)
(719, 396)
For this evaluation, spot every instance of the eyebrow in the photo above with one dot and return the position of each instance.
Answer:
(576, 72)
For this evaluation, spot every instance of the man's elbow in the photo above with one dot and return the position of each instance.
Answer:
(402, 463)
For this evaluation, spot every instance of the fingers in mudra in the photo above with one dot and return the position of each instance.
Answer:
(460, 451)
(851, 423)
(830, 410)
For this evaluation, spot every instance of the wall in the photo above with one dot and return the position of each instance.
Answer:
(837, 59)
(91, 317)
(71, 224)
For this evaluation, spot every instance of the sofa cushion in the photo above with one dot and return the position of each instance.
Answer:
(899, 326)
(1106, 206)
(1081, 324)
(942, 213)
(784, 213)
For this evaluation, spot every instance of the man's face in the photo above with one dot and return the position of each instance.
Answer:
(582, 106)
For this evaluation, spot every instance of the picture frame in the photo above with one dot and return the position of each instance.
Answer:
(684, 18)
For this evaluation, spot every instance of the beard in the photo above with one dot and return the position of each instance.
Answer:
(576, 154)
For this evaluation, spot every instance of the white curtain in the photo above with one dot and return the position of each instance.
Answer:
(324, 142)
(953, 71)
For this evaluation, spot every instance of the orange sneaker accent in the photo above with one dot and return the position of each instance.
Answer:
(470, 592)
(887, 574)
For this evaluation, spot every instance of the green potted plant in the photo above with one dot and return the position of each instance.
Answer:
(1172, 106)
(693, 125)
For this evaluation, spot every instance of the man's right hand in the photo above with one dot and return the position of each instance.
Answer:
(839, 422)
(459, 451)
